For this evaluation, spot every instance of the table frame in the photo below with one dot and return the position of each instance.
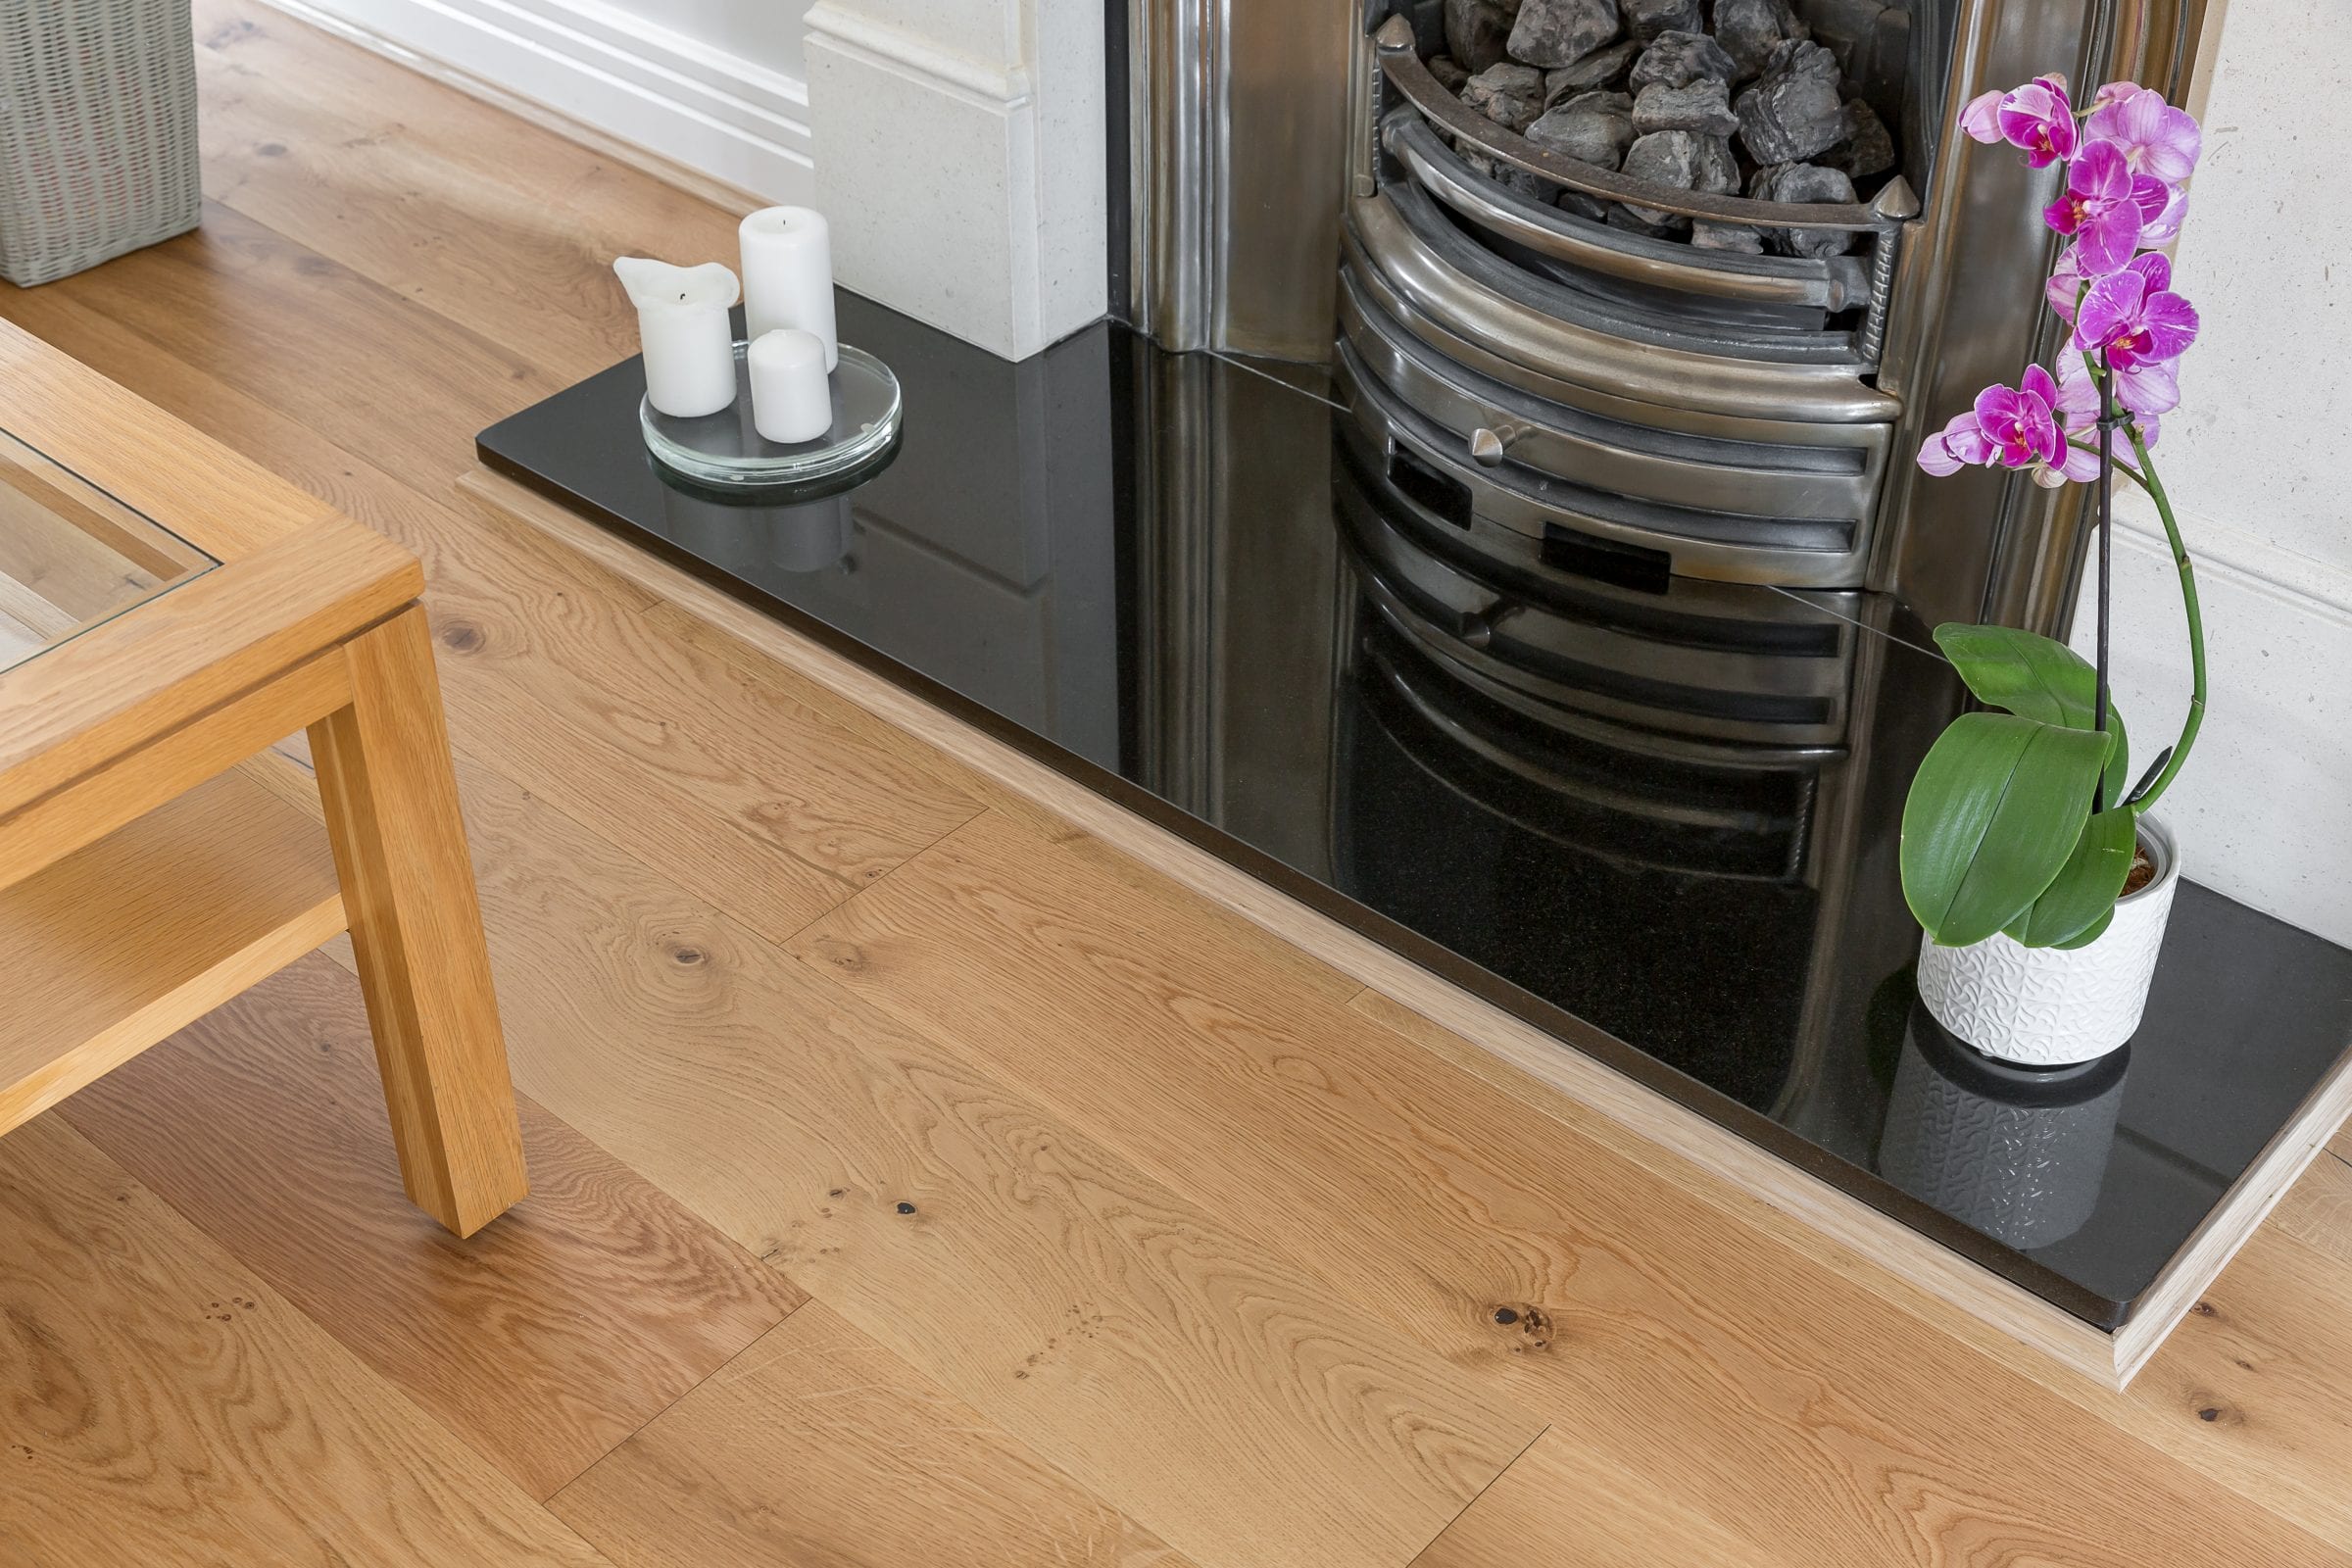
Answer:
(310, 622)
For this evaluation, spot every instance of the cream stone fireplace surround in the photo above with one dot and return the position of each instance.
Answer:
(962, 161)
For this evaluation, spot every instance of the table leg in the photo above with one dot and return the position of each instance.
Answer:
(391, 802)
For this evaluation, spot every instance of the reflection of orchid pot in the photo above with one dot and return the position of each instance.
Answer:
(2028, 852)
(2019, 1152)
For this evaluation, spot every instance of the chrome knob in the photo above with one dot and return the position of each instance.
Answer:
(1489, 443)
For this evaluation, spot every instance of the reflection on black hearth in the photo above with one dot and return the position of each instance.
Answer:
(1656, 815)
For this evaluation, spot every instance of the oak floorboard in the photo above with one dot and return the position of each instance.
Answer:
(340, 176)
(819, 1446)
(556, 673)
(1126, 1337)
(544, 1341)
(2255, 1385)
(502, 226)
(1672, 1336)
(383, 380)
(792, 700)
(161, 1405)
(346, 364)
(1556, 1506)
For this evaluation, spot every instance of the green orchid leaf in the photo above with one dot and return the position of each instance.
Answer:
(2086, 886)
(2088, 934)
(1995, 813)
(2036, 678)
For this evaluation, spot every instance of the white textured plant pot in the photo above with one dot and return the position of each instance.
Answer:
(2048, 1006)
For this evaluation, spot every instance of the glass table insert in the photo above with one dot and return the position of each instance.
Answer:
(73, 557)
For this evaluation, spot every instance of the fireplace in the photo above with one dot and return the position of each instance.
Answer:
(1597, 377)
(1557, 628)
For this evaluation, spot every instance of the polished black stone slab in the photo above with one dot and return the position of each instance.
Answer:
(1657, 821)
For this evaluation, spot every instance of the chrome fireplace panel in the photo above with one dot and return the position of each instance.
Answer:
(1553, 363)
(1545, 622)
(1727, 496)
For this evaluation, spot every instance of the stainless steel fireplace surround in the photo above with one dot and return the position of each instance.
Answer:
(1585, 402)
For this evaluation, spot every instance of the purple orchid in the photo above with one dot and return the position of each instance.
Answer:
(2164, 227)
(2157, 139)
(2133, 321)
(2065, 288)
(2016, 427)
(2105, 206)
(2125, 171)
(2037, 117)
(1959, 445)
(2123, 191)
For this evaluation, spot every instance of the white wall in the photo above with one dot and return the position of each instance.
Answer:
(714, 85)
(2254, 462)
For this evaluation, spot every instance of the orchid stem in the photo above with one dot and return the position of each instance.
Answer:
(2154, 486)
(2107, 419)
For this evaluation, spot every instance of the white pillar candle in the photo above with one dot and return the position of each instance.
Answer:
(788, 274)
(792, 397)
(683, 328)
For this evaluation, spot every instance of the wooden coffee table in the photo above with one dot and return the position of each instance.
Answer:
(169, 611)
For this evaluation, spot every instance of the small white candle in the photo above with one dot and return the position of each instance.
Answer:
(683, 329)
(792, 397)
(788, 274)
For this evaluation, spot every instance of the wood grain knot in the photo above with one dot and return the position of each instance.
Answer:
(460, 637)
(905, 1207)
(1530, 1325)
(846, 956)
(2214, 1410)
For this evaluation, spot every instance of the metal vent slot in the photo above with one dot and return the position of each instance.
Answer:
(1447, 500)
(1608, 561)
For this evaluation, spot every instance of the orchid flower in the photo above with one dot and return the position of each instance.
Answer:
(2132, 318)
(2037, 117)
(2139, 328)
(2156, 138)
(2105, 207)
(2065, 288)
(2016, 427)
(2164, 227)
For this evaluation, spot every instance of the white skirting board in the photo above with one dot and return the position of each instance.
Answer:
(2263, 812)
(710, 119)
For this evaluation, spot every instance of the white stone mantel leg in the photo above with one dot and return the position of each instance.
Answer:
(960, 160)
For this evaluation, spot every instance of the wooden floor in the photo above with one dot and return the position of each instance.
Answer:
(918, 1182)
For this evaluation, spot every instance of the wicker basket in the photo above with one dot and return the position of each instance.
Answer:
(97, 131)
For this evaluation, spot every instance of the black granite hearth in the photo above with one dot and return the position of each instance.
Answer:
(1659, 825)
